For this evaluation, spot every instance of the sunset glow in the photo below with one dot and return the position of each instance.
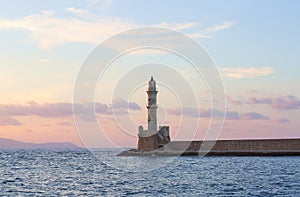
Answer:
(43, 48)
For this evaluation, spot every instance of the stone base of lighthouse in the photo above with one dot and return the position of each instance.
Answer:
(152, 140)
(148, 143)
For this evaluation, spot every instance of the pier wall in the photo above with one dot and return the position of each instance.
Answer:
(237, 145)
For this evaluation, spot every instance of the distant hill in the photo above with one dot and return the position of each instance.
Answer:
(13, 144)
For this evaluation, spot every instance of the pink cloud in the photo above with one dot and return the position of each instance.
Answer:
(64, 124)
(288, 102)
(9, 121)
(285, 102)
(234, 101)
(282, 120)
(207, 113)
(254, 116)
(63, 109)
(121, 103)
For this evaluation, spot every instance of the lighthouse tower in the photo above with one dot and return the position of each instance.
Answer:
(152, 107)
(151, 139)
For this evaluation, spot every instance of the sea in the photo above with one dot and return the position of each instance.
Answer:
(82, 172)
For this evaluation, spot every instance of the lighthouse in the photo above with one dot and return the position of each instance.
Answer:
(152, 138)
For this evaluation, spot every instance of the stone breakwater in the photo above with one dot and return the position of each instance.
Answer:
(258, 147)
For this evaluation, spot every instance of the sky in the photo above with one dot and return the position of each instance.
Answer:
(255, 45)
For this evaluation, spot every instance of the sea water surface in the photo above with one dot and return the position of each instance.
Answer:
(78, 172)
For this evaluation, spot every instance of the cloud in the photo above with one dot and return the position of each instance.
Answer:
(282, 120)
(184, 111)
(45, 61)
(232, 115)
(50, 31)
(234, 101)
(254, 116)
(222, 26)
(49, 109)
(75, 11)
(238, 73)
(64, 109)
(211, 113)
(199, 35)
(64, 124)
(288, 102)
(9, 121)
(215, 113)
(253, 100)
(117, 111)
(205, 33)
(99, 107)
(284, 102)
(178, 27)
(201, 113)
(121, 103)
